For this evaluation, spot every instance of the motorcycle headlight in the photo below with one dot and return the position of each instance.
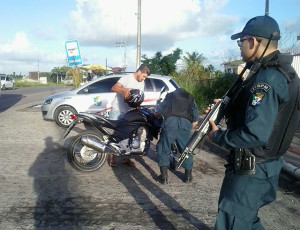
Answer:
(48, 101)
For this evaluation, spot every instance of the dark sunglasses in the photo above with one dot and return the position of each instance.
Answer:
(240, 42)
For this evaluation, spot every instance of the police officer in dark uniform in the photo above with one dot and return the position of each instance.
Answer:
(181, 115)
(260, 126)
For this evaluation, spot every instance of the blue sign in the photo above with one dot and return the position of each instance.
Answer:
(73, 53)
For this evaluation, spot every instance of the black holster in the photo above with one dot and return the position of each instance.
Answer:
(242, 161)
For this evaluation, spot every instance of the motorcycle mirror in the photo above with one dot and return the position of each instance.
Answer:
(163, 89)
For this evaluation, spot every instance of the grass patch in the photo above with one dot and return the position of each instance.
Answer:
(34, 84)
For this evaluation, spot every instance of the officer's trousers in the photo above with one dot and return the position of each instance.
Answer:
(242, 196)
(163, 147)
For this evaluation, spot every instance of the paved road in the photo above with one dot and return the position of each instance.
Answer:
(39, 189)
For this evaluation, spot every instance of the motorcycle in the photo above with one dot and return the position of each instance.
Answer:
(129, 136)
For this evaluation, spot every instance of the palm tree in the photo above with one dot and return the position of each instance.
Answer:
(211, 70)
(193, 58)
(194, 65)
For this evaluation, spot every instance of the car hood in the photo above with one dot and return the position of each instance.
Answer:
(62, 94)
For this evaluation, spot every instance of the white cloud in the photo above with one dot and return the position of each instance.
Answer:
(103, 23)
(19, 44)
(22, 56)
(192, 25)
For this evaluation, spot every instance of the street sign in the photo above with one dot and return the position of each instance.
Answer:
(73, 53)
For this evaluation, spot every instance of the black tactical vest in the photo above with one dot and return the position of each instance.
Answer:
(180, 104)
(287, 119)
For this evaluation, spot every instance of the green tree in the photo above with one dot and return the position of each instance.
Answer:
(159, 64)
(193, 66)
(168, 62)
(194, 57)
(58, 73)
(54, 75)
(210, 69)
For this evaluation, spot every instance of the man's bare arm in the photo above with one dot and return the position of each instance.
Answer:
(118, 88)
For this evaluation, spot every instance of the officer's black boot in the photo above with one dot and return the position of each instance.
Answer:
(173, 164)
(188, 176)
(163, 177)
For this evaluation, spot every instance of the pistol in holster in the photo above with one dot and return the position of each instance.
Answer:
(243, 162)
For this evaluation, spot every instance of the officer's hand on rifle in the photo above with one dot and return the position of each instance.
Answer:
(195, 124)
(209, 107)
(214, 128)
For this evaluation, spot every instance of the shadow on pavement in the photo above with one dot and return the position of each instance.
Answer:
(133, 179)
(9, 100)
(51, 181)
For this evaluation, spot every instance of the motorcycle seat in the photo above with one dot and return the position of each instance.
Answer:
(109, 123)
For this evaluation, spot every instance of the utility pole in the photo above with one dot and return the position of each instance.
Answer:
(138, 53)
(267, 8)
(38, 70)
(122, 44)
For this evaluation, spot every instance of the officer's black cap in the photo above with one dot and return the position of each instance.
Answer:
(260, 26)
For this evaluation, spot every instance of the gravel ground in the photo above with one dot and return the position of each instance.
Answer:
(40, 190)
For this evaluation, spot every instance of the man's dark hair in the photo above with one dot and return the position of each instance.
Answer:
(144, 69)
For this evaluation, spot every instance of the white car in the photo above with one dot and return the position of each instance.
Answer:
(7, 82)
(96, 97)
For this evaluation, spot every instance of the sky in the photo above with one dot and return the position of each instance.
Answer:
(34, 32)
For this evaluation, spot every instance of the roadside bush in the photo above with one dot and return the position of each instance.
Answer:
(206, 90)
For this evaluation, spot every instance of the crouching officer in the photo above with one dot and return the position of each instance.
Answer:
(180, 114)
(261, 122)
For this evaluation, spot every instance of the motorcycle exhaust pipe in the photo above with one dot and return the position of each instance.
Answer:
(98, 146)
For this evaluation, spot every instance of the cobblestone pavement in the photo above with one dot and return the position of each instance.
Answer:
(40, 190)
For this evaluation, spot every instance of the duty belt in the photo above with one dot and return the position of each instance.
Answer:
(242, 161)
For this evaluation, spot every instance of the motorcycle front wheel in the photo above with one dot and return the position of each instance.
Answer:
(83, 158)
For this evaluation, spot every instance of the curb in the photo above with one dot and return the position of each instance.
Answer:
(291, 169)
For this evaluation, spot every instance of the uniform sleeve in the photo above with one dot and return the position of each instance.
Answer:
(195, 111)
(269, 91)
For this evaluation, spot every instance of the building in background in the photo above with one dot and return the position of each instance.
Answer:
(34, 76)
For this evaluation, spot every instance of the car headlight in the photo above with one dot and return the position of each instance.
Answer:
(48, 101)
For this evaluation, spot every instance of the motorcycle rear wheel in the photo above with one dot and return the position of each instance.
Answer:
(83, 158)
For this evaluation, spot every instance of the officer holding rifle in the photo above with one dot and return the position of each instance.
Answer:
(261, 122)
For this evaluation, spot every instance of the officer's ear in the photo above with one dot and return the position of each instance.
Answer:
(256, 41)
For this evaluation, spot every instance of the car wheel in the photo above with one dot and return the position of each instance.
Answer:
(63, 116)
(3, 87)
(13, 86)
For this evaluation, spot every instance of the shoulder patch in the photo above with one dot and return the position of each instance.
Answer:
(263, 86)
(257, 99)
